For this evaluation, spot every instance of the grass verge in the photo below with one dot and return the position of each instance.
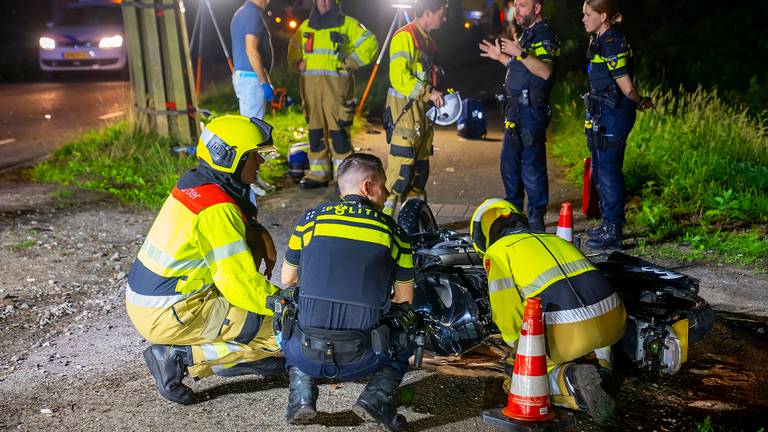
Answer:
(696, 171)
(139, 168)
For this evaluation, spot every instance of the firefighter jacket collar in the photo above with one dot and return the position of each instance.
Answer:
(230, 183)
(333, 18)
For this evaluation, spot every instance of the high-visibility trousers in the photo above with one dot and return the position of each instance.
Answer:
(409, 150)
(571, 342)
(329, 105)
(221, 335)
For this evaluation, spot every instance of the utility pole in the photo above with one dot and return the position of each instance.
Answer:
(160, 67)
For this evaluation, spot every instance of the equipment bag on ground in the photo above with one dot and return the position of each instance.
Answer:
(471, 123)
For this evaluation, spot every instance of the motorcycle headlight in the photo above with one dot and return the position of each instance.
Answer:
(115, 41)
(47, 43)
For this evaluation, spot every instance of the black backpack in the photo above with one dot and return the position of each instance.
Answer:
(471, 123)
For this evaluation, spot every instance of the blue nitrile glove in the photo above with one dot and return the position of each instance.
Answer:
(269, 94)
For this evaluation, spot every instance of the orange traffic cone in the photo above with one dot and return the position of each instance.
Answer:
(529, 393)
(528, 408)
(565, 223)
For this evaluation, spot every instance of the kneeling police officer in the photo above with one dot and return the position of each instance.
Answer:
(344, 258)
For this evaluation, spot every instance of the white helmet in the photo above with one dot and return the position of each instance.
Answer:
(449, 113)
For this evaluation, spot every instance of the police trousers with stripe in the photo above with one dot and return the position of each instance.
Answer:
(221, 335)
(575, 342)
(328, 106)
(409, 150)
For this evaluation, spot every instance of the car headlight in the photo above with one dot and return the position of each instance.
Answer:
(47, 43)
(115, 41)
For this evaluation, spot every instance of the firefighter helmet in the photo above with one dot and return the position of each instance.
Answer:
(491, 210)
(226, 140)
(448, 113)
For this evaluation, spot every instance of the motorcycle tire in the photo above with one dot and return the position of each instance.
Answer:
(701, 319)
(416, 218)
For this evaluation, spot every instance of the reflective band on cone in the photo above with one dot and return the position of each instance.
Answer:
(565, 223)
(529, 393)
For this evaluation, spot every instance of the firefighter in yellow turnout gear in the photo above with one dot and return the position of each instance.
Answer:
(326, 49)
(194, 291)
(582, 312)
(413, 76)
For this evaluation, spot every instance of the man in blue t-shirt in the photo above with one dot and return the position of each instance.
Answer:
(252, 52)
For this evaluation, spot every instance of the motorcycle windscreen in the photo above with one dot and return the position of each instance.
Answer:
(450, 311)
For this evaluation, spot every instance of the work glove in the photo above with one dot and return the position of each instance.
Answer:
(262, 248)
(405, 317)
(269, 93)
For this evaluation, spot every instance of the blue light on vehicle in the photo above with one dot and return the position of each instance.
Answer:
(47, 43)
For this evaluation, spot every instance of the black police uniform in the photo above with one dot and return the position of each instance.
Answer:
(348, 255)
(527, 115)
(609, 119)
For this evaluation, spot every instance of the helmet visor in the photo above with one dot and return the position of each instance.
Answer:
(266, 129)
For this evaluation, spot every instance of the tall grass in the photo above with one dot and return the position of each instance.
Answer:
(691, 161)
(136, 167)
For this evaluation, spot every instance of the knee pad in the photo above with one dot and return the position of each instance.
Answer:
(316, 141)
(340, 141)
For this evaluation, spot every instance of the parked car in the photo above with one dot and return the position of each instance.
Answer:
(87, 36)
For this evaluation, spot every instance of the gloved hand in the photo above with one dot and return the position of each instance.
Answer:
(262, 248)
(269, 93)
(404, 316)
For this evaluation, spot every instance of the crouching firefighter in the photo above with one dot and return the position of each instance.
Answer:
(195, 292)
(582, 312)
(344, 257)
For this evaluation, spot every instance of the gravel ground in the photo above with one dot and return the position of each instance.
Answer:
(70, 359)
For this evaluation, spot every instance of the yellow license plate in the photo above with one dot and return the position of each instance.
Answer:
(76, 55)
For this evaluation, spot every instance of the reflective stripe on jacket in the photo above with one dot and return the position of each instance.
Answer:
(519, 266)
(332, 51)
(408, 75)
(197, 241)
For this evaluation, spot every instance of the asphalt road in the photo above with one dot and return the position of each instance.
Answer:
(37, 118)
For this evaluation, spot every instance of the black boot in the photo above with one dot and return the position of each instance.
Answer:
(376, 402)
(168, 365)
(536, 221)
(308, 183)
(585, 383)
(595, 232)
(609, 239)
(265, 367)
(302, 397)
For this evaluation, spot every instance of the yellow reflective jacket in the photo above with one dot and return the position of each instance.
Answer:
(412, 63)
(197, 242)
(332, 51)
(519, 266)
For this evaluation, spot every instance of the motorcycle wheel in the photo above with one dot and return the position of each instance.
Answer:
(416, 218)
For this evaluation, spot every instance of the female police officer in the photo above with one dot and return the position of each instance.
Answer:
(610, 104)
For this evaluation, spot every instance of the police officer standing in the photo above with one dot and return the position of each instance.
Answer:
(326, 50)
(252, 54)
(530, 63)
(194, 291)
(345, 256)
(611, 104)
(413, 76)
